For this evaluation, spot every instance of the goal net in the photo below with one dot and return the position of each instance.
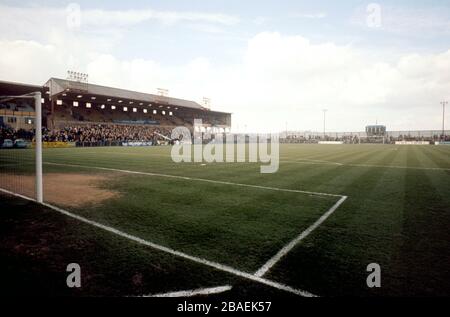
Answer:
(21, 145)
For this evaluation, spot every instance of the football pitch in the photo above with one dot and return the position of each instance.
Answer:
(139, 224)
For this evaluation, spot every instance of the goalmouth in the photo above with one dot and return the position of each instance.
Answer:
(37, 96)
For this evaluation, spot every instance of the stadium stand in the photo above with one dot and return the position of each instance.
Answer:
(90, 114)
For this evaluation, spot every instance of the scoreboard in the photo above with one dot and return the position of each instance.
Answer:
(375, 130)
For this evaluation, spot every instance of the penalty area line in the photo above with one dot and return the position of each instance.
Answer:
(215, 265)
(195, 179)
(288, 247)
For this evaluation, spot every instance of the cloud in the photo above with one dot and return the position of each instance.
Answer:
(289, 79)
(278, 78)
(207, 28)
(28, 61)
(306, 15)
(45, 23)
(349, 81)
(130, 17)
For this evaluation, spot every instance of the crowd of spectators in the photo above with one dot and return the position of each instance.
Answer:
(94, 134)
(107, 133)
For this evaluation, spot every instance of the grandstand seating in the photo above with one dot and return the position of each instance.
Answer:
(67, 113)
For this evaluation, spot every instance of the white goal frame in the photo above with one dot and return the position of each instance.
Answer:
(37, 96)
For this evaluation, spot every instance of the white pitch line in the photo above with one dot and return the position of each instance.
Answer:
(155, 246)
(302, 160)
(194, 292)
(311, 162)
(401, 167)
(196, 179)
(288, 247)
(369, 165)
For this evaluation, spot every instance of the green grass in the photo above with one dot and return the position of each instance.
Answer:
(397, 214)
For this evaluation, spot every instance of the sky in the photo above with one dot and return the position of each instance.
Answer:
(272, 64)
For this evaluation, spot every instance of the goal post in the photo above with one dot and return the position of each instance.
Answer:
(13, 159)
(38, 145)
